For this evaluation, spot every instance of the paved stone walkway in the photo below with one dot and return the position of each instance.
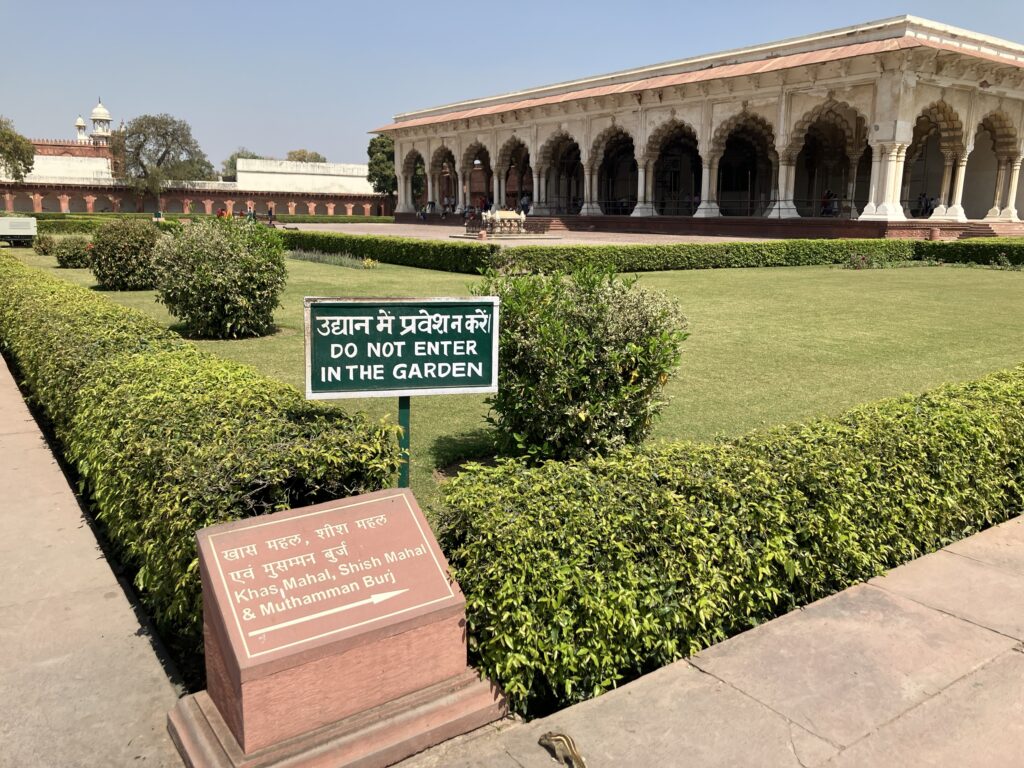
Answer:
(921, 667)
(81, 683)
(438, 232)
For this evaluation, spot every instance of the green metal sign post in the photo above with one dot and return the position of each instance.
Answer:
(400, 347)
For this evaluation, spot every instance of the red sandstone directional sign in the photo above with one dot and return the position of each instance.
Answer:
(294, 580)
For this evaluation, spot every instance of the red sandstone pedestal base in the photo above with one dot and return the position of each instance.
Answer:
(334, 637)
(374, 738)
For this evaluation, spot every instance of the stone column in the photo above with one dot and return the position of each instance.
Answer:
(536, 192)
(9, 202)
(115, 203)
(366, 209)
(590, 208)
(851, 185)
(90, 202)
(430, 188)
(955, 212)
(889, 180)
(495, 189)
(708, 205)
(876, 161)
(502, 190)
(1010, 211)
(37, 203)
(65, 201)
(643, 204)
(291, 207)
(463, 191)
(330, 209)
(229, 207)
(904, 188)
(947, 176)
(349, 207)
(250, 205)
(997, 202)
(208, 207)
(311, 207)
(785, 207)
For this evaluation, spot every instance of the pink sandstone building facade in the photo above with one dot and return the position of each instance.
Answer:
(902, 127)
(77, 176)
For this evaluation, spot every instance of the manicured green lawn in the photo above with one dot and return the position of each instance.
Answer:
(768, 345)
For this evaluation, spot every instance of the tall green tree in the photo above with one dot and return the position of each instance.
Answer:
(230, 165)
(305, 156)
(381, 173)
(156, 149)
(17, 155)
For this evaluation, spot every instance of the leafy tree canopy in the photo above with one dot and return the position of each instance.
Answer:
(381, 174)
(305, 156)
(156, 149)
(230, 166)
(17, 155)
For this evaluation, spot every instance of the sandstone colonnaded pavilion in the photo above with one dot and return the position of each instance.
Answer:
(76, 176)
(901, 127)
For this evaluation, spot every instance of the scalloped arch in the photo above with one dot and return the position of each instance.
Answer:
(749, 122)
(838, 115)
(1004, 135)
(475, 151)
(442, 154)
(600, 143)
(661, 134)
(509, 148)
(409, 163)
(546, 153)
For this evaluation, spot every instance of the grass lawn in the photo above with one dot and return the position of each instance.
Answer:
(767, 346)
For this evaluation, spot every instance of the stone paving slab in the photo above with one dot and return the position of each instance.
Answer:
(846, 665)
(674, 716)
(81, 682)
(978, 722)
(1002, 546)
(977, 592)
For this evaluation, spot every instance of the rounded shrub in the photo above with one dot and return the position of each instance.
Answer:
(122, 254)
(43, 244)
(223, 278)
(72, 252)
(584, 361)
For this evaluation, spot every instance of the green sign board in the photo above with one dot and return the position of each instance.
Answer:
(400, 347)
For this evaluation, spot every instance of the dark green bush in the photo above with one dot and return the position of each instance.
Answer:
(168, 439)
(647, 258)
(44, 244)
(579, 576)
(305, 218)
(73, 252)
(471, 258)
(584, 361)
(68, 226)
(976, 250)
(222, 277)
(122, 254)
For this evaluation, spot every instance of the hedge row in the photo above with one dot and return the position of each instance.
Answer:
(168, 439)
(579, 576)
(976, 250)
(305, 218)
(449, 256)
(650, 258)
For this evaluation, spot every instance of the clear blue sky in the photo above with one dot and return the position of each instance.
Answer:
(274, 76)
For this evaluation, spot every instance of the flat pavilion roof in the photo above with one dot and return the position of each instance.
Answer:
(899, 33)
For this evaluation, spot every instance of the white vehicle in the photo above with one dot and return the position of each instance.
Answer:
(18, 230)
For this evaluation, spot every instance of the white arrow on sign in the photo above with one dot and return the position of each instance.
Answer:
(372, 600)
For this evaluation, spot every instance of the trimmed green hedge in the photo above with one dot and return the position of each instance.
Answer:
(449, 256)
(579, 576)
(650, 258)
(69, 226)
(305, 218)
(168, 439)
(977, 250)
